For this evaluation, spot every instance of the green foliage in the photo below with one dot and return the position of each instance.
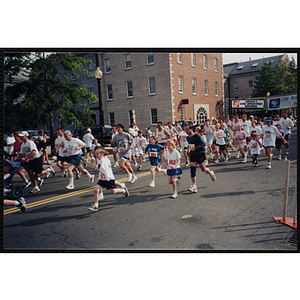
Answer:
(278, 80)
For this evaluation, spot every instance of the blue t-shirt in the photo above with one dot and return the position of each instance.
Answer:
(154, 152)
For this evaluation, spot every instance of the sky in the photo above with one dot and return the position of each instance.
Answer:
(241, 57)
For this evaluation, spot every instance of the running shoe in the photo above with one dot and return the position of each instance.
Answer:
(100, 197)
(92, 178)
(77, 176)
(40, 182)
(217, 161)
(256, 164)
(126, 193)
(187, 164)
(152, 184)
(228, 154)
(269, 166)
(287, 151)
(35, 190)
(134, 178)
(279, 157)
(244, 160)
(193, 189)
(135, 164)
(22, 204)
(52, 170)
(65, 173)
(174, 195)
(139, 168)
(238, 155)
(116, 165)
(27, 184)
(213, 176)
(178, 181)
(144, 160)
(226, 160)
(93, 208)
(70, 187)
(129, 177)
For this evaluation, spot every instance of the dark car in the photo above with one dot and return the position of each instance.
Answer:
(96, 132)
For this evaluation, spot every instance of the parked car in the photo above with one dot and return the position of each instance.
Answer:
(35, 134)
(107, 129)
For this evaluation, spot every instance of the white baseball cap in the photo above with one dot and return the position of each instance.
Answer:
(23, 133)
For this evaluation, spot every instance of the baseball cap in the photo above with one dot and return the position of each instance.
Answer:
(23, 133)
(251, 116)
(268, 120)
(89, 130)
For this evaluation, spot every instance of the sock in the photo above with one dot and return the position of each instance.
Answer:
(96, 204)
(88, 174)
(72, 181)
(26, 180)
(17, 202)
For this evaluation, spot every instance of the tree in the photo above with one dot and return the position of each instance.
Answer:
(278, 80)
(51, 91)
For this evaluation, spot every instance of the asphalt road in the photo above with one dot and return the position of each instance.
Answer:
(233, 213)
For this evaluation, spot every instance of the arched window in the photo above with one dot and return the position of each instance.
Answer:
(201, 115)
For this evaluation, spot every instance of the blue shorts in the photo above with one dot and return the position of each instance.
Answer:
(254, 155)
(154, 162)
(74, 159)
(174, 172)
(287, 136)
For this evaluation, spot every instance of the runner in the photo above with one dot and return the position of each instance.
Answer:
(59, 145)
(197, 156)
(179, 129)
(173, 133)
(182, 138)
(220, 143)
(72, 147)
(42, 141)
(106, 178)
(115, 149)
(254, 148)
(162, 135)
(172, 165)
(286, 125)
(124, 142)
(246, 124)
(240, 137)
(133, 133)
(278, 141)
(209, 133)
(155, 151)
(141, 143)
(88, 140)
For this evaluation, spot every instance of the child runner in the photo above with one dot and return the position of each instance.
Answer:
(201, 132)
(182, 139)
(209, 133)
(172, 157)
(240, 137)
(278, 142)
(141, 144)
(106, 178)
(254, 147)
(220, 143)
(155, 151)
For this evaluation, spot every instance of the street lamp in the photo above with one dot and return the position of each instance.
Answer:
(98, 75)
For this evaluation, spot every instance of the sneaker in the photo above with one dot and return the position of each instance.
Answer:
(35, 190)
(217, 161)
(27, 184)
(193, 189)
(135, 164)
(40, 182)
(116, 165)
(244, 160)
(93, 208)
(92, 178)
(152, 184)
(84, 163)
(48, 174)
(174, 195)
(129, 177)
(238, 155)
(65, 173)
(228, 154)
(77, 175)
(256, 164)
(123, 185)
(269, 166)
(126, 193)
(211, 155)
(253, 161)
(160, 166)
(52, 171)
(187, 164)
(226, 160)
(22, 204)
(144, 160)
(165, 172)
(213, 176)
(178, 181)
(287, 151)
(139, 168)
(100, 197)
(70, 187)
(134, 178)
(279, 157)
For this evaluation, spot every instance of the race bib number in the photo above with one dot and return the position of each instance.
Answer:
(121, 150)
(153, 154)
(268, 136)
(102, 176)
(172, 162)
(192, 147)
(69, 152)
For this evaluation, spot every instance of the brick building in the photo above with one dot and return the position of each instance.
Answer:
(151, 87)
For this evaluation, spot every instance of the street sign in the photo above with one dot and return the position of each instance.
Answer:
(248, 103)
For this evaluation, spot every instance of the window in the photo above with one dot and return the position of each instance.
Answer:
(216, 64)
(180, 83)
(90, 90)
(254, 65)
(217, 88)
(193, 60)
(127, 62)
(235, 86)
(111, 117)
(90, 69)
(109, 92)
(182, 115)
(153, 113)
(250, 84)
(179, 58)
(240, 67)
(150, 58)
(129, 89)
(205, 61)
(201, 115)
(194, 86)
(107, 65)
(130, 115)
(206, 87)
(151, 84)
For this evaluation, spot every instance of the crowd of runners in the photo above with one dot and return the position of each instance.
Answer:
(200, 145)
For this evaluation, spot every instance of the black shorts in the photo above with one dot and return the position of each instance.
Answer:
(107, 184)
(278, 143)
(36, 165)
(198, 158)
(62, 158)
(222, 147)
(88, 149)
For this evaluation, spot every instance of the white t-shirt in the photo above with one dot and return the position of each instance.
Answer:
(28, 147)
(132, 132)
(10, 140)
(160, 135)
(105, 172)
(94, 146)
(254, 147)
(70, 146)
(218, 134)
(246, 125)
(285, 123)
(234, 125)
(172, 158)
(255, 129)
(171, 132)
(59, 140)
(88, 139)
(269, 135)
(140, 142)
(183, 136)
(208, 131)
